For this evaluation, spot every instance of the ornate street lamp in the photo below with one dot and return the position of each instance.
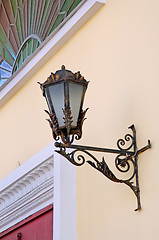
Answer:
(64, 92)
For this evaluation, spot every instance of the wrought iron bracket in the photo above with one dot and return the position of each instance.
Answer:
(126, 159)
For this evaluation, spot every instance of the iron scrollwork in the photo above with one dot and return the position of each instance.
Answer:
(125, 161)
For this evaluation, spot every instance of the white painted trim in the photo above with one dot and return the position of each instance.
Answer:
(48, 48)
(28, 189)
(27, 166)
(65, 213)
(60, 189)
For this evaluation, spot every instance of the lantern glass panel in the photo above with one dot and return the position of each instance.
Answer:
(75, 96)
(55, 100)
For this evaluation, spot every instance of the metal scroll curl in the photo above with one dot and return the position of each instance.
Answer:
(122, 164)
(126, 160)
(122, 142)
(73, 157)
(77, 158)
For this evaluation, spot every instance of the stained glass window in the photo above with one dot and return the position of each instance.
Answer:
(24, 25)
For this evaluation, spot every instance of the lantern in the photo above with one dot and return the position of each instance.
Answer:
(64, 92)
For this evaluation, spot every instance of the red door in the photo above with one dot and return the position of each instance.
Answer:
(39, 226)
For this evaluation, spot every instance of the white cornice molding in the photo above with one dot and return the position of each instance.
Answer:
(49, 47)
(44, 179)
(30, 192)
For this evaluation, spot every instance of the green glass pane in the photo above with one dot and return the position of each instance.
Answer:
(9, 48)
(35, 44)
(14, 6)
(45, 14)
(1, 50)
(38, 44)
(8, 58)
(66, 5)
(2, 35)
(29, 46)
(31, 14)
(20, 61)
(18, 30)
(24, 52)
(57, 22)
(19, 3)
(34, 14)
(73, 6)
(45, 9)
(46, 3)
(21, 24)
(15, 69)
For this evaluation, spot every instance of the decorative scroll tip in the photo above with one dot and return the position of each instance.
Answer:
(137, 209)
(149, 143)
(132, 126)
(40, 84)
(47, 112)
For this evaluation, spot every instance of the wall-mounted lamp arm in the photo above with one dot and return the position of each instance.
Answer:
(64, 92)
(98, 149)
(126, 158)
(144, 148)
(90, 148)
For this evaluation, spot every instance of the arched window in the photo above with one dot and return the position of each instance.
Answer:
(24, 25)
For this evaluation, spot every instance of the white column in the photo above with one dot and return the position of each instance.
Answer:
(65, 208)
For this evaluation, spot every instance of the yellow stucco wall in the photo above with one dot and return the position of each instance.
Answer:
(117, 51)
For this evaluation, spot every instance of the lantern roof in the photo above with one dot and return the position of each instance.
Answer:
(64, 75)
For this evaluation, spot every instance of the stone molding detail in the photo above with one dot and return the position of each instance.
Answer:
(30, 193)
